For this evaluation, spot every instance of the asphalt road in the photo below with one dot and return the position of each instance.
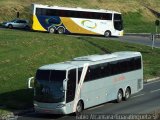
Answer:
(139, 39)
(145, 103)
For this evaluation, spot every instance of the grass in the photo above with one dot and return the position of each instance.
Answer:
(134, 22)
(21, 53)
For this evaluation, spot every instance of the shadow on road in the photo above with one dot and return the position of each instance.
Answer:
(17, 100)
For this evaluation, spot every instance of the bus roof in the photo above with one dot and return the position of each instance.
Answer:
(74, 9)
(91, 59)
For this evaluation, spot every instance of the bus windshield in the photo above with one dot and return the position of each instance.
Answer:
(118, 23)
(49, 86)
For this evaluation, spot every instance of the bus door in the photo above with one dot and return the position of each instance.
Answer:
(71, 85)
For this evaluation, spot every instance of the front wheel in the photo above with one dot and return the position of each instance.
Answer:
(107, 33)
(79, 107)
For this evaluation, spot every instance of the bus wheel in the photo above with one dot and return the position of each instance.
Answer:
(51, 30)
(60, 30)
(127, 93)
(107, 33)
(79, 107)
(119, 96)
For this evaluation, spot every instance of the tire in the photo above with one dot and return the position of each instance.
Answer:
(51, 30)
(127, 94)
(10, 26)
(119, 96)
(107, 33)
(79, 107)
(27, 27)
(60, 30)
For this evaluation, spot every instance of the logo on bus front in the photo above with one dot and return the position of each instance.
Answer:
(46, 90)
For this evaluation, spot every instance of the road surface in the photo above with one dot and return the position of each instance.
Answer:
(146, 102)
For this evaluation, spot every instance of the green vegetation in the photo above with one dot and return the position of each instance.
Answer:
(137, 18)
(21, 53)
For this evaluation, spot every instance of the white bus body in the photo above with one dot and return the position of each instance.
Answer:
(83, 82)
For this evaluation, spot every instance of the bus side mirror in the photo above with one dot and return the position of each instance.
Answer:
(29, 82)
(65, 84)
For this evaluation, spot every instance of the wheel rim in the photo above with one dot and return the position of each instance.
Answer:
(51, 30)
(79, 107)
(119, 96)
(127, 94)
(60, 30)
(107, 34)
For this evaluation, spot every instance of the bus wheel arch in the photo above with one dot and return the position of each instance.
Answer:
(80, 106)
(107, 33)
(127, 93)
(60, 30)
(119, 95)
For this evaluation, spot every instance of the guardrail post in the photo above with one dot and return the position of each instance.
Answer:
(153, 40)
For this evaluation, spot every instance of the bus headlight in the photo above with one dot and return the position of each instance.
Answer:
(60, 105)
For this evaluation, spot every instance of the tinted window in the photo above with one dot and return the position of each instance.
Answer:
(95, 72)
(71, 85)
(117, 17)
(76, 14)
(57, 75)
(50, 75)
(43, 75)
(79, 73)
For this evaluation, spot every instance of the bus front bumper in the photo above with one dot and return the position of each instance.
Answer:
(50, 108)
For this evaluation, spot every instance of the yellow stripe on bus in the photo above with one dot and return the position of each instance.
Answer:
(37, 25)
(75, 28)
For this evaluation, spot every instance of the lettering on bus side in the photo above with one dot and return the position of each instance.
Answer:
(119, 78)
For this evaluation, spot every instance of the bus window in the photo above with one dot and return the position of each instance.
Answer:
(43, 75)
(71, 85)
(118, 23)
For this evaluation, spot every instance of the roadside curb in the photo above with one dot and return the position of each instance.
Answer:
(138, 34)
(152, 79)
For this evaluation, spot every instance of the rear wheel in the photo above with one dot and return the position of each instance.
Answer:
(127, 94)
(60, 30)
(10, 26)
(119, 96)
(51, 30)
(79, 107)
(107, 33)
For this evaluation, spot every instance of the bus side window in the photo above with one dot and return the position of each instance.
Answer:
(79, 74)
(87, 78)
(138, 63)
(71, 85)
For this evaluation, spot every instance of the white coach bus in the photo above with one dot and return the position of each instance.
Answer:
(83, 82)
(65, 20)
